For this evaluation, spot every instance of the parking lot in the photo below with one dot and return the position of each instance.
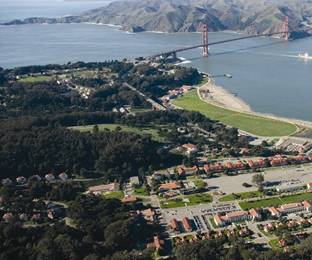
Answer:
(198, 215)
(234, 184)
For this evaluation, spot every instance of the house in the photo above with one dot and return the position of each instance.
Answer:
(23, 217)
(169, 186)
(49, 177)
(255, 215)
(185, 88)
(63, 176)
(174, 225)
(157, 243)
(186, 224)
(134, 180)
(190, 148)
(274, 212)
(21, 180)
(7, 216)
(98, 189)
(129, 199)
(6, 182)
(148, 214)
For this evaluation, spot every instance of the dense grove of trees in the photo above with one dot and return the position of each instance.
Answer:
(51, 98)
(116, 155)
(103, 230)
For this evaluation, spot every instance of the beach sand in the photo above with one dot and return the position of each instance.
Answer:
(217, 95)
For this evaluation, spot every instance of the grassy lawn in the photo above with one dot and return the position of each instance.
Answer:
(138, 130)
(252, 124)
(114, 195)
(192, 200)
(275, 201)
(242, 196)
(32, 79)
(274, 244)
(140, 191)
(213, 223)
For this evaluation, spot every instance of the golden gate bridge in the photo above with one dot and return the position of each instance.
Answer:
(284, 33)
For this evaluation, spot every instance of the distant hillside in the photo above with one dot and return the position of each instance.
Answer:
(249, 16)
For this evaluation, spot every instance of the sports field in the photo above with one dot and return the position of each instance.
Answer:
(253, 124)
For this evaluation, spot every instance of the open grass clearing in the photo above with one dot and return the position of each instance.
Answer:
(188, 200)
(112, 127)
(114, 195)
(241, 196)
(34, 79)
(253, 124)
(275, 202)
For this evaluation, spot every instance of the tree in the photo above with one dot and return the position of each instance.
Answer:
(258, 179)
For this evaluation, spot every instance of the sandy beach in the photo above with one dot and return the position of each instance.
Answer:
(217, 95)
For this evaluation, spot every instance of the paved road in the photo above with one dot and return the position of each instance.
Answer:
(149, 100)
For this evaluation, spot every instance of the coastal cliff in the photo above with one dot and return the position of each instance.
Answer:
(247, 16)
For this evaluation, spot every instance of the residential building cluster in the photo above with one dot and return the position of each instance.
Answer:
(286, 209)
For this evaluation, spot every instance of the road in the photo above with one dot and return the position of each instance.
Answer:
(149, 100)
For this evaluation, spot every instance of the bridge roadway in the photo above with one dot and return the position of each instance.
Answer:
(167, 53)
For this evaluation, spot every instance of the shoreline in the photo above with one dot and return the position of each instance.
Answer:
(220, 97)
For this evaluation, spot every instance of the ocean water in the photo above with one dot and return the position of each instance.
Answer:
(267, 73)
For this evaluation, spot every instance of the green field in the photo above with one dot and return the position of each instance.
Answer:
(241, 196)
(193, 200)
(114, 195)
(32, 79)
(140, 191)
(138, 130)
(253, 124)
(275, 201)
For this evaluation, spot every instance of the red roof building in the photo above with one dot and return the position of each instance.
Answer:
(186, 224)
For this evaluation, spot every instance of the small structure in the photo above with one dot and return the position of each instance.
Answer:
(6, 182)
(134, 180)
(169, 186)
(190, 148)
(129, 199)
(99, 189)
(7, 216)
(309, 186)
(157, 243)
(21, 180)
(148, 214)
(63, 176)
(255, 215)
(49, 177)
(174, 225)
(23, 217)
(186, 224)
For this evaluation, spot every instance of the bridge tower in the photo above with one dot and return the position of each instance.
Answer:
(285, 29)
(205, 40)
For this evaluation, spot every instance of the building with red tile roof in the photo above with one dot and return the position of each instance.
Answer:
(129, 199)
(174, 225)
(186, 224)
(169, 186)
